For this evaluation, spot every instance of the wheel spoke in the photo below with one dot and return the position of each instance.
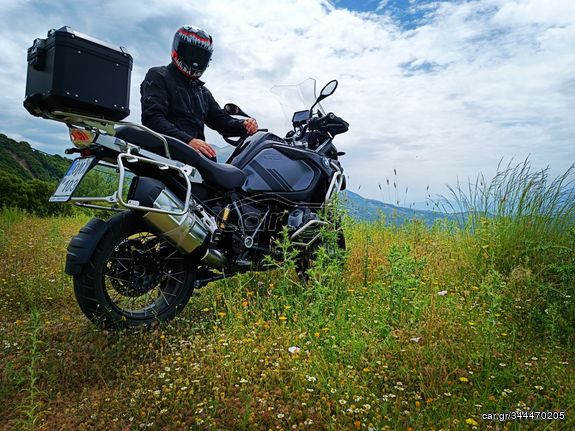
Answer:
(144, 275)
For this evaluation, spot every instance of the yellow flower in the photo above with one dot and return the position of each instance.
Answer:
(470, 421)
(463, 379)
(283, 318)
(317, 334)
(221, 314)
(366, 370)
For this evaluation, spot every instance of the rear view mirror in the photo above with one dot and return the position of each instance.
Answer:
(326, 91)
(233, 109)
(329, 89)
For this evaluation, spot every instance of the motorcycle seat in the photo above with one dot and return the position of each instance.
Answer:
(223, 176)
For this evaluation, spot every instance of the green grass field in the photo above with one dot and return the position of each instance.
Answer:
(421, 329)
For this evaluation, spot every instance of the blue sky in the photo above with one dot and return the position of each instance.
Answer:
(434, 89)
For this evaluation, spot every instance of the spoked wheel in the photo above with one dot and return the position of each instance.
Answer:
(134, 277)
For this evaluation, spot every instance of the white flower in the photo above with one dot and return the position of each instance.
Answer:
(294, 349)
(442, 293)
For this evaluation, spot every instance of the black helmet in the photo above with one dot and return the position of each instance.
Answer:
(191, 51)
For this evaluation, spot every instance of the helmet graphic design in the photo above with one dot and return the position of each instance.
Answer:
(192, 51)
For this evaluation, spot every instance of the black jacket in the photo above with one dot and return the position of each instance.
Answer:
(179, 107)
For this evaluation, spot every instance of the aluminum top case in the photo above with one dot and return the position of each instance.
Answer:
(72, 72)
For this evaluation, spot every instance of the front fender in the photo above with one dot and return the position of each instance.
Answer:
(82, 246)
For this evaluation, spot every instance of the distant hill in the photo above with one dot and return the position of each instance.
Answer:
(22, 166)
(362, 208)
(23, 161)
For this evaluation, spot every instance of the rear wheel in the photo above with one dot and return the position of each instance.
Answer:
(134, 277)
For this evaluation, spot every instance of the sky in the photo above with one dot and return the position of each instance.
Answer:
(433, 90)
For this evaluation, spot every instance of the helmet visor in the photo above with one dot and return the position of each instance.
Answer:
(195, 57)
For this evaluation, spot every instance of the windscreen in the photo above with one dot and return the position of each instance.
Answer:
(298, 97)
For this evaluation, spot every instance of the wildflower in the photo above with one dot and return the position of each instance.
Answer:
(472, 422)
(342, 402)
(280, 415)
(539, 388)
(282, 318)
(463, 379)
(442, 293)
(294, 350)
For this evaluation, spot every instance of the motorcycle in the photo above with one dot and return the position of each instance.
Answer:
(183, 220)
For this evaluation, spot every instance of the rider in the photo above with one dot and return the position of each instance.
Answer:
(175, 102)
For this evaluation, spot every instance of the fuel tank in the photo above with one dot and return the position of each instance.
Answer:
(273, 166)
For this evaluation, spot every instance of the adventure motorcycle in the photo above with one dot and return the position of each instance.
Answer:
(185, 220)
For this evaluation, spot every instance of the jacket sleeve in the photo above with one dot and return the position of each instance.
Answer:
(155, 102)
(219, 120)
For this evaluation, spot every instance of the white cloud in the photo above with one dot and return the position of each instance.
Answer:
(476, 81)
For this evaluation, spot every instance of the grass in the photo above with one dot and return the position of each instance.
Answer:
(422, 328)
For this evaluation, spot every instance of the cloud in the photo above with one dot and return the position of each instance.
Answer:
(436, 89)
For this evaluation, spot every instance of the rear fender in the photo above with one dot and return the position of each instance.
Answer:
(82, 246)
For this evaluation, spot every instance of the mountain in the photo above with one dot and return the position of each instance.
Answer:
(25, 162)
(361, 208)
(22, 166)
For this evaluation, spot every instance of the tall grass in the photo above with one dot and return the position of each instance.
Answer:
(411, 328)
(521, 224)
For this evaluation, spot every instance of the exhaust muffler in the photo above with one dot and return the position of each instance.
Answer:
(187, 232)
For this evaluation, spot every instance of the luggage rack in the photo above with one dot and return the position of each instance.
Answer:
(103, 125)
(128, 153)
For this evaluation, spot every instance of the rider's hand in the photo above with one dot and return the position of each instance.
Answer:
(203, 147)
(251, 126)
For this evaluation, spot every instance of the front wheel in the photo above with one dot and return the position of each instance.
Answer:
(134, 277)
(334, 244)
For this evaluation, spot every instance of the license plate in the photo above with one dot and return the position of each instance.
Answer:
(70, 182)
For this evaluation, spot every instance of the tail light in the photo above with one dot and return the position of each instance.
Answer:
(81, 138)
